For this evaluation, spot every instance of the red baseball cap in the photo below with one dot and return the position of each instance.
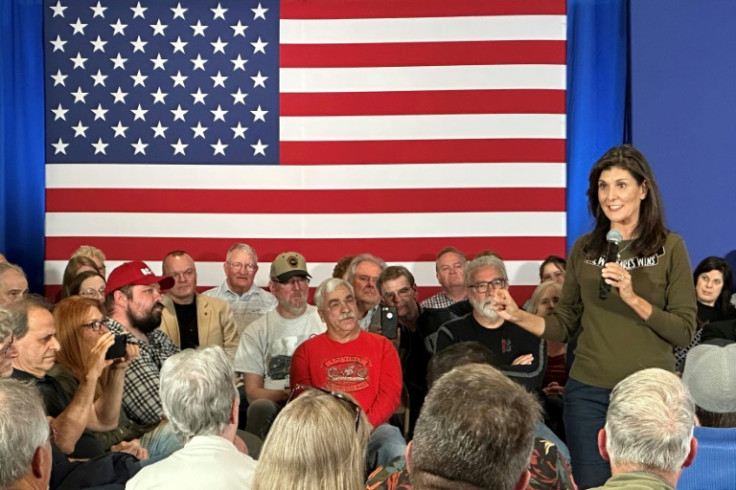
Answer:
(135, 273)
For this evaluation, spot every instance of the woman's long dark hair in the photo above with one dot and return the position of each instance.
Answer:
(712, 263)
(650, 232)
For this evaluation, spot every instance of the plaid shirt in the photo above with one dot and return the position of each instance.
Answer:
(141, 401)
(439, 300)
(246, 307)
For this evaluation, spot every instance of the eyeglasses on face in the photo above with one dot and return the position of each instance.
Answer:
(239, 265)
(93, 293)
(482, 287)
(299, 389)
(403, 292)
(298, 280)
(95, 326)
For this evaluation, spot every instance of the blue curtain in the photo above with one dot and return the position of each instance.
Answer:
(596, 96)
(596, 77)
(21, 137)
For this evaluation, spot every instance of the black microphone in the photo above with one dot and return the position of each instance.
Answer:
(613, 238)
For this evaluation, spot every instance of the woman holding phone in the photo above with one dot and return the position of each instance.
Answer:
(649, 311)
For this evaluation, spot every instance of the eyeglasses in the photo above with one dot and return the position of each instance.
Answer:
(5, 349)
(482, 287)
(239, 265)
(298, 280)
(96, 326)
(299, 389)
(92, 292)
(403, 292)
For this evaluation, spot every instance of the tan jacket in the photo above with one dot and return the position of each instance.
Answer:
(214, 322)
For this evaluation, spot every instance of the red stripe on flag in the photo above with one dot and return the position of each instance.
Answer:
(315, 250)
(347, 9)
(305, 201)
(429, 102)
(422, 151)
(422, 54)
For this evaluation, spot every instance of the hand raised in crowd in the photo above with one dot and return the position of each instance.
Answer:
(131, 352)
(95, 361)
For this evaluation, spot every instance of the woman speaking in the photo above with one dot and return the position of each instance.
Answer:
(648, 310)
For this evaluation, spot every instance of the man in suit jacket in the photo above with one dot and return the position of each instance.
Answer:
(189, 319)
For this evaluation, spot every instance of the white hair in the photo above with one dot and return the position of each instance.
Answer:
(650, 421)
(484, 261)
(23, 429)
(7, 323)
(197, 391)
(328, 286)
(359, 259)
(243, 248)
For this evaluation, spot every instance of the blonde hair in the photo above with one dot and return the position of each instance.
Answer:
(539, 292)
(314, 444)
(89, 251)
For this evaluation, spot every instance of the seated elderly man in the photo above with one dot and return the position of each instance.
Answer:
(13, 284)
(25, 450)
(648, 436)
(710, 375)
(201, 403)
(37, 347)
(522, 355)
(349, 359)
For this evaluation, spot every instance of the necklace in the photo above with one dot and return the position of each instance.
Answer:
(618, 255)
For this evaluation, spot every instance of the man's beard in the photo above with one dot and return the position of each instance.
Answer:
(484, 308)
(296, 308)
(147, 323)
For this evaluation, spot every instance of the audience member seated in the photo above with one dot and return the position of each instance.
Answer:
(363, 274)
(267, 344)
(201, 403)
(449, 266)
(317, 441)
(134, 303)
(80, 326)
(713, 286)
(398, 289)
(74, 267)
(542, 303)
(8, 346)
(553, 269)
(89, 284)
(648, 436)
(522, 355)
(248, 302)
(549, 468)
(349, 359)
(13, 284)
(340, 271)
(72, 412)
(190, 319)
(25, 450)
(454, 447)
(710, 375)
(93, 253)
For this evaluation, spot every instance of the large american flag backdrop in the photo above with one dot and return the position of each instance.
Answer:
(329, 127)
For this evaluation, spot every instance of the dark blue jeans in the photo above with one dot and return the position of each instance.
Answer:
(584, 415)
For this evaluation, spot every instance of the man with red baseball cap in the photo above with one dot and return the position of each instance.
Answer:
(133, 299)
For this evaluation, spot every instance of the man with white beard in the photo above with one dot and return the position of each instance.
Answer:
(521, 356)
